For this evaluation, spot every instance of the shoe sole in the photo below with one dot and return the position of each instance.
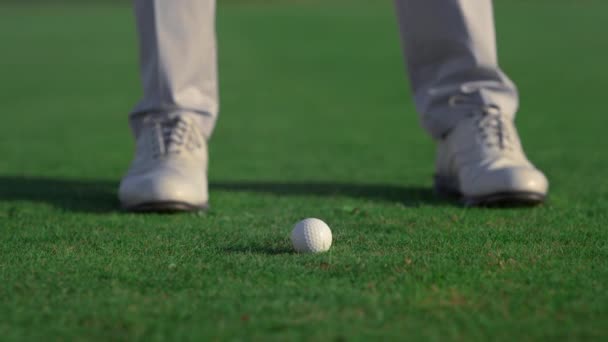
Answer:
(499, 199)
(505, 199)
(167, 207)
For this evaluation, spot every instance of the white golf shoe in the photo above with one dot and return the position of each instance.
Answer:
(482, 161)
(169, 171)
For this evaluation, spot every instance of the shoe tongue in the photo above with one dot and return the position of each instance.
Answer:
(173, 131)
(493, 129)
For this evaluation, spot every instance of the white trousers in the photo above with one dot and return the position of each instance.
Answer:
(450, 49)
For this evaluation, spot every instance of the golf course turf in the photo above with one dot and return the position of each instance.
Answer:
(316, 121)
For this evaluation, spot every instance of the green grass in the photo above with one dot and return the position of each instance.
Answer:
(316, 121)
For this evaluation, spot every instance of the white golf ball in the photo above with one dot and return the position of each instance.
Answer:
(311, 235)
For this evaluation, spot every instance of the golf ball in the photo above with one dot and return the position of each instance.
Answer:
(311, 235)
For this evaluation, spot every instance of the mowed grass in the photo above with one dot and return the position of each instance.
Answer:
(316, 121)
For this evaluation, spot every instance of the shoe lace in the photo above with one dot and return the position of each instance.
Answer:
(493, 128)
(172, 136)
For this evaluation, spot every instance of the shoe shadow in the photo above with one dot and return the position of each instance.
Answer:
(99, 196)
(410, 196)
(90, 196)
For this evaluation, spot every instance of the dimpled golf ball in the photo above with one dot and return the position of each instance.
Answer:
(311, 235)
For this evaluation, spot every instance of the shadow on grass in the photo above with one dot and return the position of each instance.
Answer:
(92, 196)
(268, 250)
(99, 196)
(406, 195)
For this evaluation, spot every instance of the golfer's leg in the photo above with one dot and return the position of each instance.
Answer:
(178, 110)
(451, 55)
(178, 58)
